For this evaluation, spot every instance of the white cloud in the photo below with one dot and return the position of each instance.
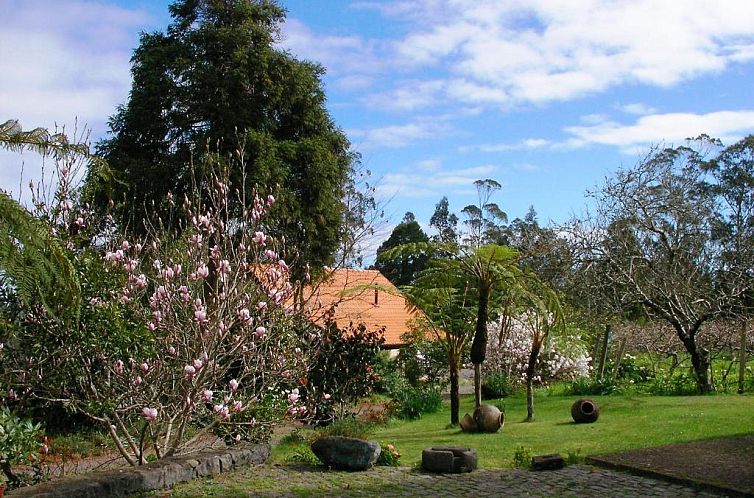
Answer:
(729, 126)
(526, 144)
(439, 182)
(395, 136)
(62, 64)
(535, 51)
(62, 61)
(636, 108)
(350, 60)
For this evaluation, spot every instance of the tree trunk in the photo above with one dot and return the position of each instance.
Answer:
(455, 373)
(699, 361)
(477, 384)
(742, 358)
(479, 344)
(603, 355)
(530, 371)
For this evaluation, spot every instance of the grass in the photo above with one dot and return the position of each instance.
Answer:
(626, 422)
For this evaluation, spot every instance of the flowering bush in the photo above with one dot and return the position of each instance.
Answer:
(340, 371)
(565, 357)
(187, 327)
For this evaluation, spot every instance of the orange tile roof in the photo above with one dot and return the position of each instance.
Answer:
(362, 296)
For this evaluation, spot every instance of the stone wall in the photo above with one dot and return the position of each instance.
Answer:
(156, 475)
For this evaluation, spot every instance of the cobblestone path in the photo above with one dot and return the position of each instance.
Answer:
(294, 481)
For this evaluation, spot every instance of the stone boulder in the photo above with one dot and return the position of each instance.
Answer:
(346, 453)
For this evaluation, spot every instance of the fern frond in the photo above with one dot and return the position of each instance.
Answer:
(13, 138)
(33, 260)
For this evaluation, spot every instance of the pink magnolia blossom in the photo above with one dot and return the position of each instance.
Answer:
(221, 411)
(244, 315)
(225, 266)
(237, 406)
(149, 413)
(260, 238)
(260, 332)
(215, 252)
(141, 281)
(293, 396)
(156, 264)
(189, 371)
(79, 222)
(138, 380)
(144, 367)
(201, 315)
(125, 245)
(270, 200)
(198, 364)
(168, 273)
(270, 254)
(202, 271)
(282, 264)
(207, 395)
(233, 385)
(171, 350)
(262, 306)
(327, 396)
(152, 326)
(118, 367)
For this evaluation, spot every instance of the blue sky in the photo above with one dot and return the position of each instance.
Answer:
(544, 96)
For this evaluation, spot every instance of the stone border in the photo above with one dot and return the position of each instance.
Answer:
(156, 475)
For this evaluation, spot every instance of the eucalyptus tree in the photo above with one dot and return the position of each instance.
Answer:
(732, 184)
(445, 222)
(485, 220)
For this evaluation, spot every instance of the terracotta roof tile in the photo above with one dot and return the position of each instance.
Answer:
(362, 296)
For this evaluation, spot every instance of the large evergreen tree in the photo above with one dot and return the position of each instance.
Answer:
(215, 83)
(403, 267)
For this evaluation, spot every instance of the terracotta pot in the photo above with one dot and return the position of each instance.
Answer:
(585, 411)
(489, 418)
(468, 424)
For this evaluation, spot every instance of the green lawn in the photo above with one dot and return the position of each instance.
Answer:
(625, 422)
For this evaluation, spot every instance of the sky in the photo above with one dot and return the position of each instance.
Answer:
(546, 97)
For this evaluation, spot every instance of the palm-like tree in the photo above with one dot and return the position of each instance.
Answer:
(32, 259)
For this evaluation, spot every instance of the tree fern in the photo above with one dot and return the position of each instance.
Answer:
(32, 258)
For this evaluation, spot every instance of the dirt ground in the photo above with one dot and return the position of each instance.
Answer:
(724, 464)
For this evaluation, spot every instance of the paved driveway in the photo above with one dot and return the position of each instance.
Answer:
(293, 481)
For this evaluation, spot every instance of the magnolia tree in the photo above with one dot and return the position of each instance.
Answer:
(185, 331)
(565, 357)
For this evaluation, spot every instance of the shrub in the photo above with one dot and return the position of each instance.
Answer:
(340, 370)
(389, 456)
(680, 384)
(182, 333)
(413, 402)
(587, 386)
(522, 457)
(20, 442)
(348, 426)
(496, 386)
